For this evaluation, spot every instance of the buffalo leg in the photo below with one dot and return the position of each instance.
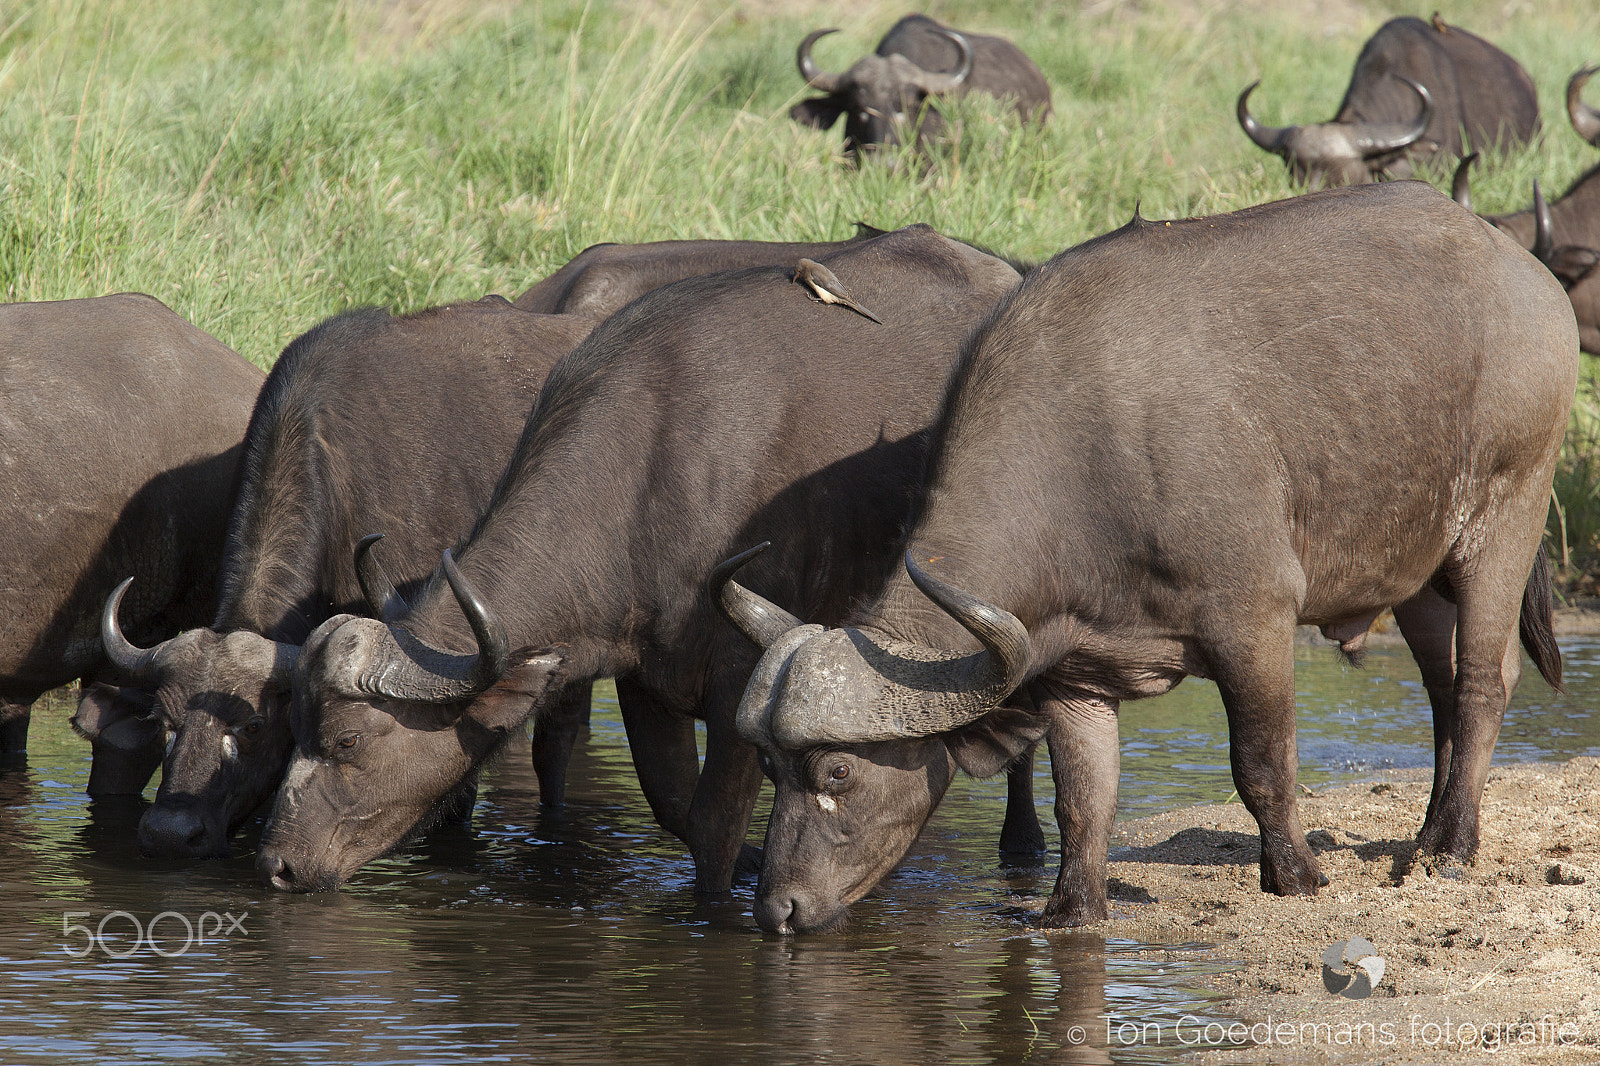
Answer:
(1488, 665)
(1086, 761)
(1257, 686)
(14, 717)
(1428, 622)
(1021, 833)
(725, 796)
(664, 756)
(555, 731)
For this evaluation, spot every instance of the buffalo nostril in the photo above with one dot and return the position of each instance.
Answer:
(279, 874)
(773, 915)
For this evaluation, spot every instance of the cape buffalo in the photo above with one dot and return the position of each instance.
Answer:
(1161, 454)
(119, 433)
(888, 95)
(1416, 86)
(707, 413)
(366, 422)
(604, 277)
(1564, 236)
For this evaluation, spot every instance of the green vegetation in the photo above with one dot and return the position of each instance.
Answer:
(260, 165)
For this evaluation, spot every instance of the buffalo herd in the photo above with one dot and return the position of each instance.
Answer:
(335, 593)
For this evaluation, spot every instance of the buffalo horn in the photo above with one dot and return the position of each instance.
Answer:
(759, 619)
(140, 664)
(1585, 119)
(1269, 138)
(815, 76)
(999, 631)
(383, 600)
(845, 686)
(931, 81)
(1460, 185)
(1543, 242)
(408, 669)
(1375, 138)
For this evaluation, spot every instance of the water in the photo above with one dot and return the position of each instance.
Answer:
(576, 937)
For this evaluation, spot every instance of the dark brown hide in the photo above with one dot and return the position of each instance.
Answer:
(1162, 454)
(120, 426)
(882, 97)
(1472, 84)
(367, 423)
(713, 412)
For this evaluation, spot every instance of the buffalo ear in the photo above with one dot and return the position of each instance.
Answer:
(990, 744)
(514, 698)
(1571, 263)
(819, 111)
(120, 714)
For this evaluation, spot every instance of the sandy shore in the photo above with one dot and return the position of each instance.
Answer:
(1499, 961)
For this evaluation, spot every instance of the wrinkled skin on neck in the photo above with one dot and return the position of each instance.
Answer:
(367, 772)
(228, 724)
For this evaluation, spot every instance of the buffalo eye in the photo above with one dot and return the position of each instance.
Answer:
(840, 772)
(347, 742)
(252, 727)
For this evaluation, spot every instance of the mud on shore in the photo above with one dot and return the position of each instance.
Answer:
(1497, 961)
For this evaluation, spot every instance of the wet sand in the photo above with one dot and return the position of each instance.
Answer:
(1497, 961)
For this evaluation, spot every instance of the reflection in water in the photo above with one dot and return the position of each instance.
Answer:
(575, 935)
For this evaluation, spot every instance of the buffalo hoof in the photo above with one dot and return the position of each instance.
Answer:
(1291, 873)
(1062, 913)
(1022, 838)
(1456, 841)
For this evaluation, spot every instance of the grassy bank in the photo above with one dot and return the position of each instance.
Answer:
(259, 166)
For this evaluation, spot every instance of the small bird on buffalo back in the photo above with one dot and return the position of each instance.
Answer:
(826, 287)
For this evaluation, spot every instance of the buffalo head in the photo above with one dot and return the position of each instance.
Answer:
(222, 699)
(1338, 153)
(385, 727)
(861, 735)
(885, 99)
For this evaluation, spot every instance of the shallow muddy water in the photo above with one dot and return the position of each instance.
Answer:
(575, 936)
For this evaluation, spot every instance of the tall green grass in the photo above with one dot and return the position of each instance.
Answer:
(261, 164)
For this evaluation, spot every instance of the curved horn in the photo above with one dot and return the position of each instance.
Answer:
(408, 669)
(383, 599)
(140, 664)
(1460, 185)
(815, 76)
(759, 619)
(933, 81)
(1585, 119)
(1543, 242)
(1269, 138)
(851, 686)
(1006, 638)
(1375, 138)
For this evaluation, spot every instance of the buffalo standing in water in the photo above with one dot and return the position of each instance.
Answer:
(119, 430)
(1415, 87)
(889, 94)
(368, 421)
(1159, 456)
(719, 410)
